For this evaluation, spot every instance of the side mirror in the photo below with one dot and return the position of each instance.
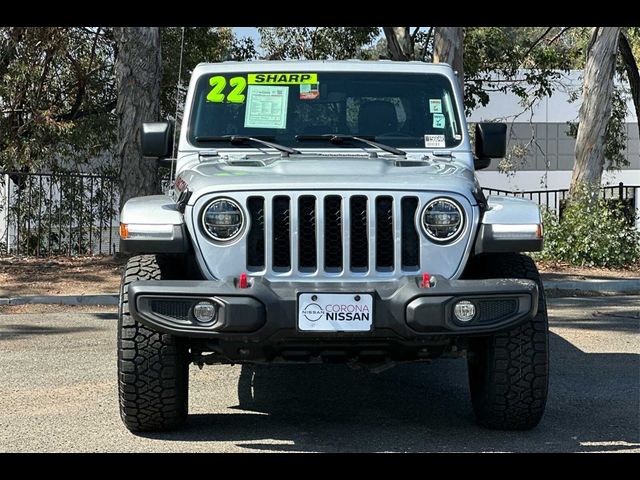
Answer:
(491, 142)
(157, 139)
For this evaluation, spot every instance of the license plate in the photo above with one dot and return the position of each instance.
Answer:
(335, 312)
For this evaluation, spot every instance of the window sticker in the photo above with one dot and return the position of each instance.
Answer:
(277, 78)
(435, 105)
(266, 107)
(434, 141)
(309, 91)
(438, 120)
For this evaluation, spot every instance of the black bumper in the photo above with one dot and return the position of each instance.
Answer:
(266, 312)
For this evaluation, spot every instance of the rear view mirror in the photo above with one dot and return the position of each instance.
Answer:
(157, 139)
(491, 142)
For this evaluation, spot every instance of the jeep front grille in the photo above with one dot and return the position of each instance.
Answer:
(327, 233)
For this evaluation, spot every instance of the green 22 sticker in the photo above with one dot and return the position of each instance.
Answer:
(218, 84)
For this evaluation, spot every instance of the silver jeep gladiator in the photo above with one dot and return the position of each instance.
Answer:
(329, 212)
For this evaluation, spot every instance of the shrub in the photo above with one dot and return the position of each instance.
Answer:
(592, 232)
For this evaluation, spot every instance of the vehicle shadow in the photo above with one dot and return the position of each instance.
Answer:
(593, 406)
(13, 331)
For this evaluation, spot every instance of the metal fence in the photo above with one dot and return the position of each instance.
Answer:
(555, 199)
(43, 214)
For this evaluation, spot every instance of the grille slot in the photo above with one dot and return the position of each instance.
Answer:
(359, 235)
(385, 240)
(281, 234)
(255, 237)
(333, 233)
(410, 240)
(307, 233)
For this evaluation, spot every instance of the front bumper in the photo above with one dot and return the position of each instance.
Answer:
(265, 314)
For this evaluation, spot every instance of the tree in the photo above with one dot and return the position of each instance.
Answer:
(631, 68)
(201, 45)
(57, 96)
(315, 43)
(596, 107)
(58, 93)
(448, 48)
(138, 74)
(400, 43)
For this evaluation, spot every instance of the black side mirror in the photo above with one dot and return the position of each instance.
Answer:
(157, 139)
(491, 142)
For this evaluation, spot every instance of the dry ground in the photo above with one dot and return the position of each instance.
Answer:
(101, 274)
(59, 275)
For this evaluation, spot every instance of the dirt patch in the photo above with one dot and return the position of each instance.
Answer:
(101, 274)
(562, 272)
(59, 275)
(112, 310)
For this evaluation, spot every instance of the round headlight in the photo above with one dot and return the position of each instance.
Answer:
(223, 219)
(442, 220)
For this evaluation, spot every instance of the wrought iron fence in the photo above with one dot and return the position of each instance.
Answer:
(44, 214)
(555, 200)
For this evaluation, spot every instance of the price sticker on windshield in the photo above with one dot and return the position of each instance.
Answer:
(277, 78)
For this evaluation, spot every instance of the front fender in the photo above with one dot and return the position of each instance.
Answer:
(510, 225)
(152, 224)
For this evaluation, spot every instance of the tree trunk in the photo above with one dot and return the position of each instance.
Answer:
(399, 43)
(633, 75)
(138, 83)
(447, 48)
(596, 107)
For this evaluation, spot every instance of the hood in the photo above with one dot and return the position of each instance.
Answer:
(329, 172)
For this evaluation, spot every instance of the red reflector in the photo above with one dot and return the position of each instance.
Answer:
(426, 278)
(242, 281)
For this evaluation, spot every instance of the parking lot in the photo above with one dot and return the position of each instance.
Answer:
(58, 393)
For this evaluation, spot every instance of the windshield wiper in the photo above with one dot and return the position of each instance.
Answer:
(339, 139)
(240, 139)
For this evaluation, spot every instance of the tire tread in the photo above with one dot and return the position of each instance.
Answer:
(152, 366)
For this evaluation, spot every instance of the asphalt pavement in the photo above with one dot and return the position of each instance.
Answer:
(58, 393)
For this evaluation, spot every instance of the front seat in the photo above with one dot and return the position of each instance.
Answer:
(377, 117)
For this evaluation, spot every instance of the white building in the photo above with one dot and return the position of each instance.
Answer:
(550, 156)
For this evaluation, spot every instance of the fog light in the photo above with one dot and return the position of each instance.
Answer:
(464, 311)
(204, 312)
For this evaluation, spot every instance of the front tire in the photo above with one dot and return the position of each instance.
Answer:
(153, 367)
(509, 371)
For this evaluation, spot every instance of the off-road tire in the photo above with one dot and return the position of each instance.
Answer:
(509, 371)
(153, 367)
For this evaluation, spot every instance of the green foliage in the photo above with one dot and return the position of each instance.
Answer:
(57, 95)
(494, 58)
(592, 232)
(316, 43)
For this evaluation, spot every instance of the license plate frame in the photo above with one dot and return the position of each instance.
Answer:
(331, 312)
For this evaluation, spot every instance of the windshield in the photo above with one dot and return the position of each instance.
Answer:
(405, 110)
